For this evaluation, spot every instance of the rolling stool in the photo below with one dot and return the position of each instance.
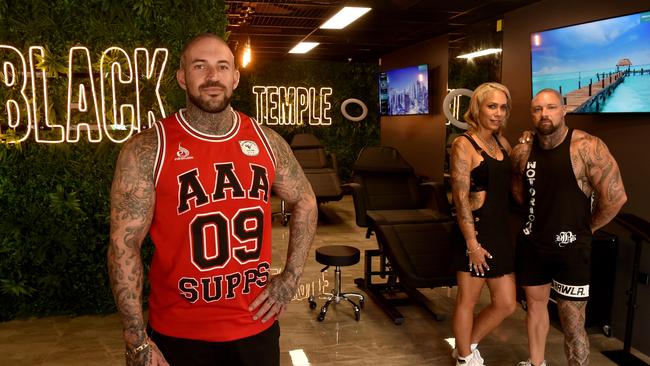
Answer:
(338, 256)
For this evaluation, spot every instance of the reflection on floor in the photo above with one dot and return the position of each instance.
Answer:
(338, 340)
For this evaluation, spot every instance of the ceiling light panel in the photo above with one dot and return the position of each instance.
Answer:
(344, 17)
(304, 47)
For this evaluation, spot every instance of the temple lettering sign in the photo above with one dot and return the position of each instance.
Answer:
(289, 105)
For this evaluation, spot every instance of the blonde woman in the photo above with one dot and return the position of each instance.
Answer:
(480, 181)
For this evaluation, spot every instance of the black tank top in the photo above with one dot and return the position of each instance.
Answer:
(479, 176)
(558, 212)
(491, 221)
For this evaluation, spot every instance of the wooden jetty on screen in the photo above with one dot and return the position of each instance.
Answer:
(592, 96)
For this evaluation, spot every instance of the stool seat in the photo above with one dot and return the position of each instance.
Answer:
(338, 255)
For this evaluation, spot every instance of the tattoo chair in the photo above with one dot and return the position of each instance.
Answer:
(320, 169)
(413, 224)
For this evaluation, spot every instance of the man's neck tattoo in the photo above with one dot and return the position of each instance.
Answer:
(209, 123)
(551, 141)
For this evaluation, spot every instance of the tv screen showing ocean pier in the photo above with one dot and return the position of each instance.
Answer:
(599, 67)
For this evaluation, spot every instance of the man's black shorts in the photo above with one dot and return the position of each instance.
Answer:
(262, 349)
(567, 269)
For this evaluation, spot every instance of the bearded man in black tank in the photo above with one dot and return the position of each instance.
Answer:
(570, 186)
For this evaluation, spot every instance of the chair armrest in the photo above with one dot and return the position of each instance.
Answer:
(436, 197)
(335, 163)
(427, 191)
(351, 186)
(360, 204)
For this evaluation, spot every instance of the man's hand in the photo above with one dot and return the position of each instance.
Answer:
(275, 297)
(151, 356)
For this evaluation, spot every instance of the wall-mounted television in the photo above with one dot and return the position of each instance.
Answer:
(599, 67)
(404, 91)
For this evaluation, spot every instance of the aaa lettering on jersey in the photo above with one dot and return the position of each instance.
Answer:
(192, 192)
(246, 226)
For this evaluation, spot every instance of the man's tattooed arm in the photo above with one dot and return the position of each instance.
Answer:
(600, 176)
(292, 186)
(132, 205)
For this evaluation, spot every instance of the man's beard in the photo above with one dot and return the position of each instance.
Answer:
(546, 129)
(212, 105)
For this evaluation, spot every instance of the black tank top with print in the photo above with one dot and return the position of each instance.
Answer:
(558, 212)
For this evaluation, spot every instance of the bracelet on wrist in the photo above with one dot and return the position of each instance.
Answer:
(468, 252)
(134, 351)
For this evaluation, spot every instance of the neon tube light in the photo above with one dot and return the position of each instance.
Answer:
(27, 107)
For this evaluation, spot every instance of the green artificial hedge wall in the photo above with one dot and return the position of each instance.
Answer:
(54, 226)
(54, 199)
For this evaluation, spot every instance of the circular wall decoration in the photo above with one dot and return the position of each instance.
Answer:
(447, 104)
(364, 110)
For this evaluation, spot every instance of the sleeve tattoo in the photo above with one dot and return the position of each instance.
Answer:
(292, 186)
(460, 166)
(605, 179)
(132, 204)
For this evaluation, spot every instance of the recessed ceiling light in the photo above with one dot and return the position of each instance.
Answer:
(344, 17)
(304, 47)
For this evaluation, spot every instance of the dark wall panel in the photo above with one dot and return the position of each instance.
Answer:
(421, 139)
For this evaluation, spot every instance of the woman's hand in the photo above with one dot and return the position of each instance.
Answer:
(526, 137)
(478, 261)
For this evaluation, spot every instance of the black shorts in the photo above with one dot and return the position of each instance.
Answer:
(568, 270)
(262, 349)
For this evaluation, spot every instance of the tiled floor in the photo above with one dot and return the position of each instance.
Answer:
(339, 340)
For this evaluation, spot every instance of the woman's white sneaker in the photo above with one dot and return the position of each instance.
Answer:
(528, 363)
(473, 359)
(475, 352)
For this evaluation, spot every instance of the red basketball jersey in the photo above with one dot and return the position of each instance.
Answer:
(211, 229)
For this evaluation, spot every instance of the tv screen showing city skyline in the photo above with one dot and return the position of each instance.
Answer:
(404, 91)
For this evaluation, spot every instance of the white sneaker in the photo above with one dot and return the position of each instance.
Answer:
(528, 363)
(473, 359)
(475, 353)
